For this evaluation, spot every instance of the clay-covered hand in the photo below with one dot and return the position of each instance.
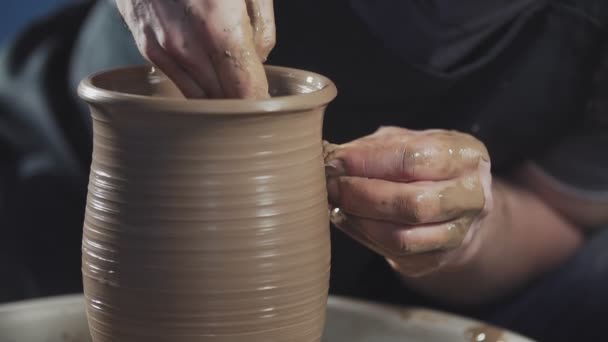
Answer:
(208, 48)
(416, 197)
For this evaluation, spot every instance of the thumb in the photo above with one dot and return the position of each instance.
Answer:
(261, 14)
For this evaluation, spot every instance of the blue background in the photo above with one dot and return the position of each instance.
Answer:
(15, 14)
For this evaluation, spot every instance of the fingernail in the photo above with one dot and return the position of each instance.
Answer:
(333, 191)
(334, 168)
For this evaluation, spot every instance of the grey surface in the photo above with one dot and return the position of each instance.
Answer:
(62, 319)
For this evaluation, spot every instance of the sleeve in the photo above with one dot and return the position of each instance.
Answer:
(578, 165)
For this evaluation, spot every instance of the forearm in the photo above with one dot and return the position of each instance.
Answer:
(521, 238)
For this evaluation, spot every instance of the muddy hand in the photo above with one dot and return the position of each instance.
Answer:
(208, 48)
(415, 197)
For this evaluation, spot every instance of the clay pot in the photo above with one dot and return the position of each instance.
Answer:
(206, 220)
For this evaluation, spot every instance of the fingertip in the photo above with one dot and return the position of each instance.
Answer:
(334, 168)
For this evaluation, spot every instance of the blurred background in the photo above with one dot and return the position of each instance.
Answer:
(16, 14)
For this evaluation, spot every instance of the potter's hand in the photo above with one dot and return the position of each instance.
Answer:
(415, 197)
(208, 48)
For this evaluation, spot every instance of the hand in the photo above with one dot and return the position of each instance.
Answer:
(416, 197)
(208, 48)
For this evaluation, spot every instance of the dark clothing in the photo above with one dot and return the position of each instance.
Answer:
(440, 34)
(525, 92)
(523, 97)
(568, 304)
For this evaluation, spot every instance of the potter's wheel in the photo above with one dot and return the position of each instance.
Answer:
(62, 319)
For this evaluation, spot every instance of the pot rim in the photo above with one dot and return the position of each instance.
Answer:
(95, 95)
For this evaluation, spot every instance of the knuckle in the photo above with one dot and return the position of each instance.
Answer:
(221, 33)
(454, 151)
(416, 207)
(177, 46)
(474, 149)
(418, 158)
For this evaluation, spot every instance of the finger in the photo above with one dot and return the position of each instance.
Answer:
(411, 265)
(182, 42)
(233, 53)
(396, 241)
(199, 65)
(409, 157)
(261, 14)
(185, 51)
(407, 203)
(142, 18)
(155, 54)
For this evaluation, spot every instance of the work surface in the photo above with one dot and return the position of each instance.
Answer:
(62, 319)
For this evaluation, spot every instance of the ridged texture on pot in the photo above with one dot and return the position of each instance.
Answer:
(206, 227)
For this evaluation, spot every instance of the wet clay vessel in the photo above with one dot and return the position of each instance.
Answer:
(206, 220)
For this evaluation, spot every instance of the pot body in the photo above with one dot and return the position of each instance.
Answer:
(202, 225)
